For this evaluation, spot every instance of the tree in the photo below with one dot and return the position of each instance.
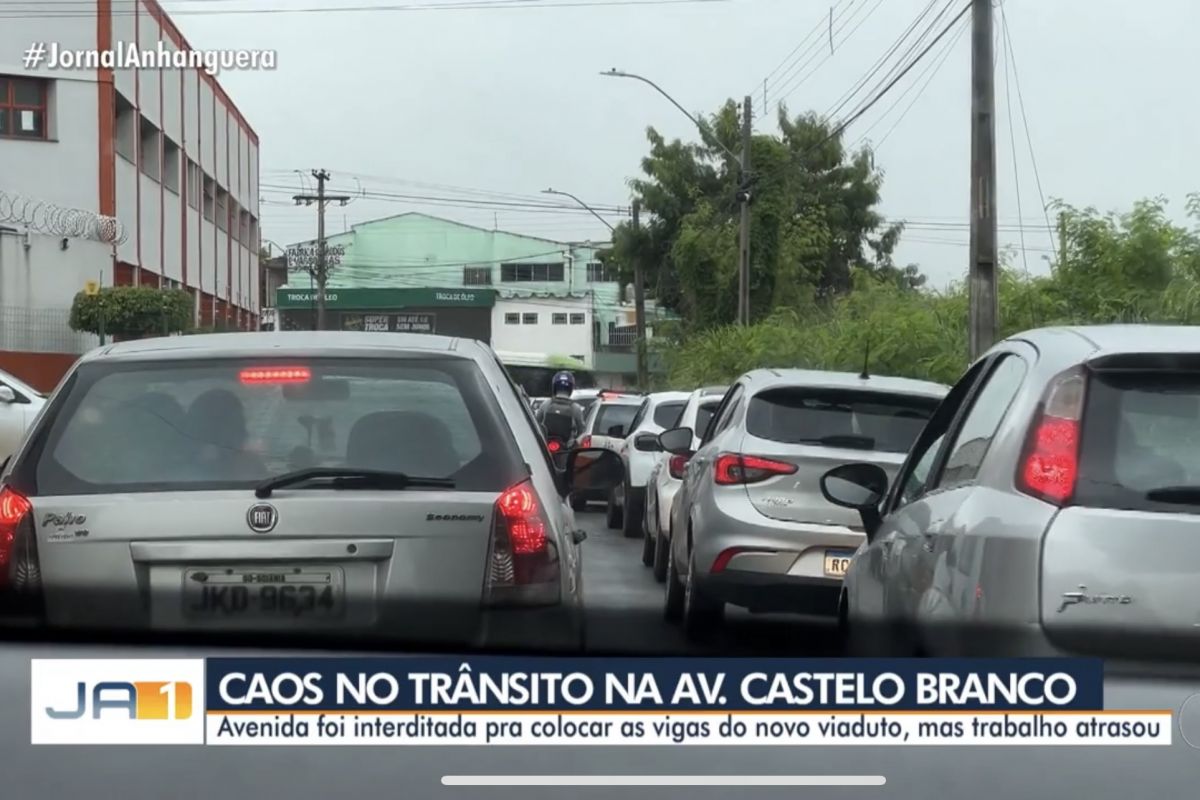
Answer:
(132, 311)
(812, 220)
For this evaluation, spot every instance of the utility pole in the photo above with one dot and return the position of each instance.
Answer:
(744, 227)
(1062, 239)
(320, 270)
(639, 308)
(984, 308)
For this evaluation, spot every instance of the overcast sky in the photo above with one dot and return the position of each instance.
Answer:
(458, 103)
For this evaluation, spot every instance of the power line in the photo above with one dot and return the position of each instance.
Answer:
(37, 9)
(795, 76)
(816, 29)
(1012, 138)
(1012, 57)
(845, 98)
(931, 70)
(453, 202)
(856, 115)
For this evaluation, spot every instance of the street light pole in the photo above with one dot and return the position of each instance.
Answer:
(743, 191)
(639, 294)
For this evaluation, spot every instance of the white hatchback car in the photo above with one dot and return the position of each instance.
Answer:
(19, 406)
(657, 412)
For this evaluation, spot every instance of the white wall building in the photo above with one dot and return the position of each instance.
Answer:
(164, 152)
(544, 323)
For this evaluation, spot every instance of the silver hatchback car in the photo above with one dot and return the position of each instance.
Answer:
(317, 482)
(1052, 505)
(749, 525)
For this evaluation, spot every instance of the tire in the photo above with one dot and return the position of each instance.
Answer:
(702, 615)
(673, 603)
(662, 544)
(633, 514)
(578, 503)
(648, 547)
(613, 517)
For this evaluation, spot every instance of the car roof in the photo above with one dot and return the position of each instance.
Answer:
(1120, 338)
(761, 379)
(295, 344)
(620, 400)
(668, 397)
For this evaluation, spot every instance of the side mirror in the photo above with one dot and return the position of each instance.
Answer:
(7, 395)
(858, 486)
(677, 441)
(647, 443)
(594, 469)
(617, 431)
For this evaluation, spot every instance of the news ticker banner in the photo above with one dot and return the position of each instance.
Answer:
(581, 702)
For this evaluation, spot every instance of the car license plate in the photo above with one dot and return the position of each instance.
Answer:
(213, 593)
(837, 562)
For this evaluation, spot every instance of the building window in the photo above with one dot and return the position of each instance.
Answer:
(234, 227)
(558, 319)
(23, 107)
(577, 319)
(512, 318)
(210, 194)
(599, 272)
(151, 150)
(529, 273)
(477, 276)
(170, 176)
(253, 243)
(529, 319)
(222, 208)
(244, 229)
(126, 129)
(195, 181)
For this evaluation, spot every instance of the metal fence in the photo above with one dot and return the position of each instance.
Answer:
(41, 330)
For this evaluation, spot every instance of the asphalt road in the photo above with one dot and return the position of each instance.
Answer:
(624, 606)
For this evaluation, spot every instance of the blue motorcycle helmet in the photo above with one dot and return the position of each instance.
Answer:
(563, 383)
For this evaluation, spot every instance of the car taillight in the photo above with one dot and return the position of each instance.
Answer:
(585, 442)
(676, 466)
(553, 445)
(734, 468)
(522, 565)
(724, 557)
(255, 375)
(14, 507)
(1049, 465)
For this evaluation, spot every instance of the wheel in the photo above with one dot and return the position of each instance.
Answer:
(632, 514)
(673, 605)
(612, 514)
(662, 546)
(702, 614)
(648, 540)
(578, 503)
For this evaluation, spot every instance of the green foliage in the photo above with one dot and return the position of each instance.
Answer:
(1132, 267)
(132, 311)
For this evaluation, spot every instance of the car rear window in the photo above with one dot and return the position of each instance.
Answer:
(667, 414)
(179, 425)
(839, 418)
(704, 415)
(611, 414)
(1141, 433)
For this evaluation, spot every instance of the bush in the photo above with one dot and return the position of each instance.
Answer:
(132, 311)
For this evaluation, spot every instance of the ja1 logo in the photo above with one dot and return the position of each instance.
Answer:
(139, 700)
(117, 701)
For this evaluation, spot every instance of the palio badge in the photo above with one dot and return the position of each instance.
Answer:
(117, 701)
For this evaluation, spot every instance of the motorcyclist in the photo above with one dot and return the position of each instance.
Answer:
(558, 416)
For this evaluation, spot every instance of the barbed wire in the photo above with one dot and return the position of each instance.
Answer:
(40, 216)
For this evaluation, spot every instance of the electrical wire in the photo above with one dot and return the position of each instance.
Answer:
(820, 26)
(37, 8)
(1012, 57)
(1012, 138)
(801, 78)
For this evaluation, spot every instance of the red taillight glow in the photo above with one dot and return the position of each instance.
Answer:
(676, 466)
(13, 508)
(1049, 466)
(276, 375)
(519, 508)
(585, 442)
(733, 468)
(723, 558)
(554, 445)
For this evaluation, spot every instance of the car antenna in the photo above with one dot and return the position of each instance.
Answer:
(866, 362)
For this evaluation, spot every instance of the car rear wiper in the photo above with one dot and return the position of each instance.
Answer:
(849, 440)
(1182, 495)
(351, 478)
